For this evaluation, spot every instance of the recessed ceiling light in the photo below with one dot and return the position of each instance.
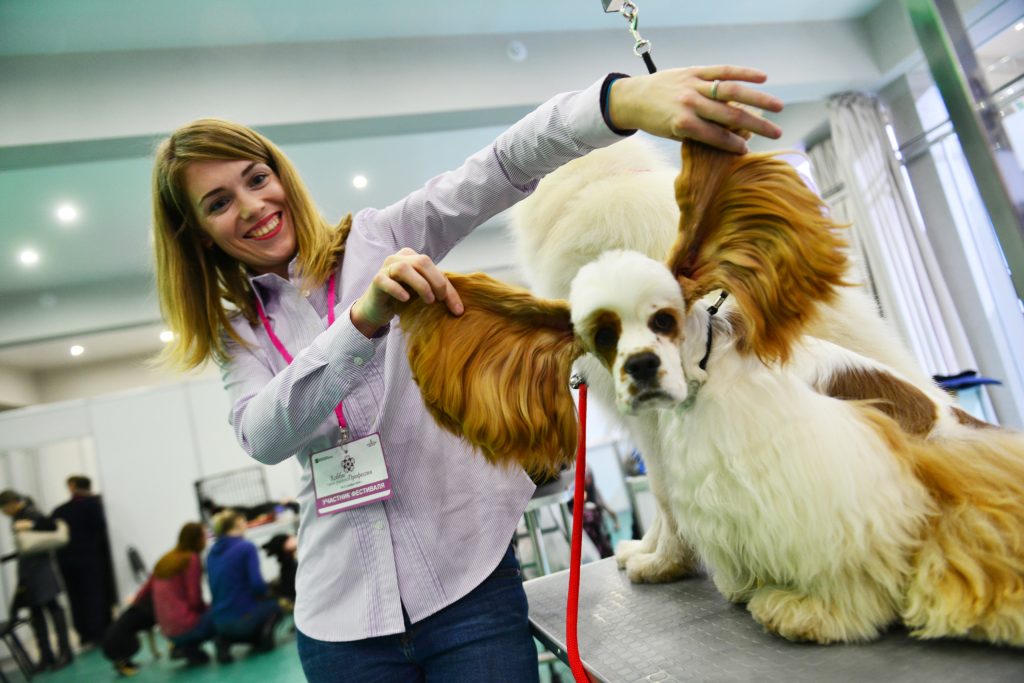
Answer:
(166, 336)
(29, 257)
(77, 350)
(359, 182)
(67, 213)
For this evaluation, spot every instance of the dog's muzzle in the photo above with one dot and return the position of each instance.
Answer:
(642, 367)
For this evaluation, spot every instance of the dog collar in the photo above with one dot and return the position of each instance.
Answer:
(711, 314)
(694, 385)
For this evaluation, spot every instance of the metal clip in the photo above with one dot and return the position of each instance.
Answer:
(632, 14)
(345, 436)
(576, 380)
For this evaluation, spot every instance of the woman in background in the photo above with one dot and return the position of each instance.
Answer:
(242, 608)
(177, 587)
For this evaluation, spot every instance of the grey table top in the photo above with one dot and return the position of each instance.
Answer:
(686, 631)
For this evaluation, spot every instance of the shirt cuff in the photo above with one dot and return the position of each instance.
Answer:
(606, 91)
(346, 349)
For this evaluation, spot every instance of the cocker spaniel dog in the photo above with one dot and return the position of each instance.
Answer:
(794, 448)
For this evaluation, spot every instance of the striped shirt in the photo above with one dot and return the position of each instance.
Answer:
(451, 515)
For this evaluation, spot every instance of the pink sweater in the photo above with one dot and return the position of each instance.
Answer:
(178, 600)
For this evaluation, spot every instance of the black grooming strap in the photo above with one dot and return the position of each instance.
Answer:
(649, 62)
(711, 313)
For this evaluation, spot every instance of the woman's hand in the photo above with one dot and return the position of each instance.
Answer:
(684, 103)
(401, 272)
(24, 525)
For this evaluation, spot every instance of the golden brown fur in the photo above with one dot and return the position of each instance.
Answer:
(968, 574)
(498, 374)
(749, 225)
(902, 401)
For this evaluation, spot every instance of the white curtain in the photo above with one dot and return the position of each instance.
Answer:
(888, 234)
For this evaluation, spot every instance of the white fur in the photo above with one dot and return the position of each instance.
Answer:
(789, 497)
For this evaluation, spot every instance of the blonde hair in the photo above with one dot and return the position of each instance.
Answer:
(224, 521)
(201, 287)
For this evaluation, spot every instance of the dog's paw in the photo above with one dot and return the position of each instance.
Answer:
(655, 568)
(626, 549)
(799, 617)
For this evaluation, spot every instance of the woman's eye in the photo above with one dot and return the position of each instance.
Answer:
(605, 337)
(216, 205)
(663, 323)
(259, 178)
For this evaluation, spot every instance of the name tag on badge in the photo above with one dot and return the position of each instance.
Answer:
(350, 475)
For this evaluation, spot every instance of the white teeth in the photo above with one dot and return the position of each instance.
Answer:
(266, 229)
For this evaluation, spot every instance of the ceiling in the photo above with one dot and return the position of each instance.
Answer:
(30, 27)
(395, 90)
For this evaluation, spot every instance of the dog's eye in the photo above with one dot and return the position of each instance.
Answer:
(662, 323)
(606, 337)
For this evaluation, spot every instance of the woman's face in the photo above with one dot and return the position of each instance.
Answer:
(241, 208)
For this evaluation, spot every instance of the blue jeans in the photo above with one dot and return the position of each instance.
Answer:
(249, 625)
(485, 636)
(202, 631)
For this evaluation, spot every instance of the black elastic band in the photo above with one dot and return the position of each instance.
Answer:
(703, 365)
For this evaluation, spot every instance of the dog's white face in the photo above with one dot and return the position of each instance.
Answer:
(628, 310)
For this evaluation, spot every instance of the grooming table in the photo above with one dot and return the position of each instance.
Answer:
(686, 631)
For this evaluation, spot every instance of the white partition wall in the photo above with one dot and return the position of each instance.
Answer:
(148, 463)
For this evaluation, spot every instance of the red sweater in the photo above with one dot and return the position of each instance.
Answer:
(178, 600)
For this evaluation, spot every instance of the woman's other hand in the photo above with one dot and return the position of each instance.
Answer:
(402, 275)
(685, 103)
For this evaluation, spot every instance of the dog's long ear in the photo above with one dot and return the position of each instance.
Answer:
(498, 374)
(749, 225)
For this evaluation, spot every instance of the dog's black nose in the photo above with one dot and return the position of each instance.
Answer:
(643, 367)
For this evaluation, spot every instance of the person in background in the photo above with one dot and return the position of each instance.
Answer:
(242, 608)
(85, 562)
(38, 585)
(177, 587)
(298, 313)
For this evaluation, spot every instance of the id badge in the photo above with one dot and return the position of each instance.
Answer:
(350, 475)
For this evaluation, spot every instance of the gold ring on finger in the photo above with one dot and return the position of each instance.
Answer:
(714, 89)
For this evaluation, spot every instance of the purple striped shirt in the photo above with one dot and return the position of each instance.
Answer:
(452, 515)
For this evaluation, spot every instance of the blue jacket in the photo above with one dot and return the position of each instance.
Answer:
(236, 585)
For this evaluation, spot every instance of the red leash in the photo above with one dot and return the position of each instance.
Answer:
(572, 606)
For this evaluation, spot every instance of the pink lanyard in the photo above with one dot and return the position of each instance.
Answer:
(288, 357)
